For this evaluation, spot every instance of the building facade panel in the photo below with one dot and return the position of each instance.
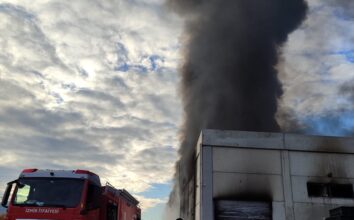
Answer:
(247, 186)
(246, 160)
(322, 164)
(312, 211)
(279, 210)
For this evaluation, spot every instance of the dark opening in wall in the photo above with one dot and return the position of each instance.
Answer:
(242, 210)
(331, 190)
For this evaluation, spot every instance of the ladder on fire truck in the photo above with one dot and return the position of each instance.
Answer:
(109, 188)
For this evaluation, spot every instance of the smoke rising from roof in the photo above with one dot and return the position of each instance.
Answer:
(228, 75)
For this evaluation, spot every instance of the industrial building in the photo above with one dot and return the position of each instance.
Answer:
(279, 176)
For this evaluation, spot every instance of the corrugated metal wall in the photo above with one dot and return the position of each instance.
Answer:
(240, 210)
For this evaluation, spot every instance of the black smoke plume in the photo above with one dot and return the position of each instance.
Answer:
(229, 80)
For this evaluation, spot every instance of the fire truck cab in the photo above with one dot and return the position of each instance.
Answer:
(66, 195)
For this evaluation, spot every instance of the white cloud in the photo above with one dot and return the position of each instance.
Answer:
(317, 62)
(149, 203)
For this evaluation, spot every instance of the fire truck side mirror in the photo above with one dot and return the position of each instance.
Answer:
(7, 193)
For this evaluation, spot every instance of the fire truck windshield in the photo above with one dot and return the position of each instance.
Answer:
(48, 192)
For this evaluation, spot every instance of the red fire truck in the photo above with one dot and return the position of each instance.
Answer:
(67, 195)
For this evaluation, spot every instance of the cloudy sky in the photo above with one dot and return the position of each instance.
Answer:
(93, 84)
(317, 70)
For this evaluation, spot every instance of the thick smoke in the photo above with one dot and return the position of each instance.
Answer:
(229, 80)
(228, 76)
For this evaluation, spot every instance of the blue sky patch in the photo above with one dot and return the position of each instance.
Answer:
(340, 124)
(158, 191)
(343, 13)
(348, 54)
(135, 68)
(150, 214)
(153, 60)
(122, 68)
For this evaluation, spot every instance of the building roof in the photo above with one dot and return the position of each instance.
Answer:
(278, 141)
